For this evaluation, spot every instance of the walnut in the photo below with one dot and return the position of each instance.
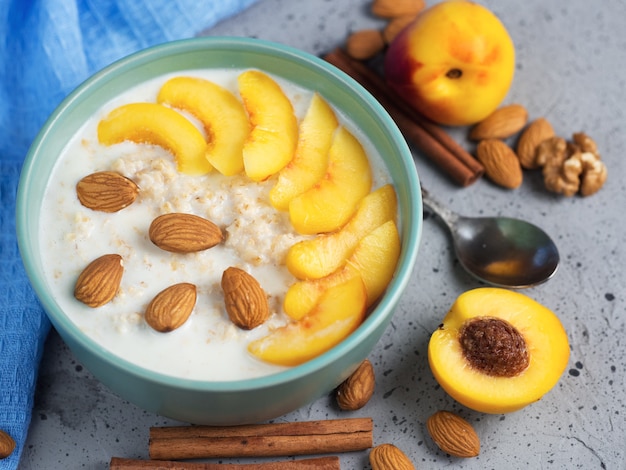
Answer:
(585, 143)
(558, 176)
(570, 167)
(594, 173)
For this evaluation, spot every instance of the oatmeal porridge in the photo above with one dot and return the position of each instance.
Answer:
(256, 239)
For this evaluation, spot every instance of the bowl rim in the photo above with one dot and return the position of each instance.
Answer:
(388, 302)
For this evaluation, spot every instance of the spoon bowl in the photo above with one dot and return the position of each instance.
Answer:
(500, 251)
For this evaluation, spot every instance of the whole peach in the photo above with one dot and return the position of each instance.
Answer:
(454, 63)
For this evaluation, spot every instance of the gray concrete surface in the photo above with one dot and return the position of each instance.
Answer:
(571, 68)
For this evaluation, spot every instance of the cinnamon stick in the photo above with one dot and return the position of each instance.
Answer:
(427, 136)
(261, 440)
(321, 463)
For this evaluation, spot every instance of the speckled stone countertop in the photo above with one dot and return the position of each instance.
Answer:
(571, 68)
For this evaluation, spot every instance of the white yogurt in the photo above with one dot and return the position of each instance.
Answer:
(208, 346)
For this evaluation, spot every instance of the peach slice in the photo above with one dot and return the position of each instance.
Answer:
(320, 256)
(222, 115)
(271, 143)
(339, 311)
(309, 163)
(374, 261)
(152, 123)
(333, 200)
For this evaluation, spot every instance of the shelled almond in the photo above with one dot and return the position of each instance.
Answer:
(356, 390)
(365, 43)
(7, 444)
(503, 123)
(106, 191)
(389, 457)
(501, 164)
(184, 233)
(453, 434)
(395, 25)
(395, 8)
(171, 307)
(244, 298)
(537, 131)
(99, 282)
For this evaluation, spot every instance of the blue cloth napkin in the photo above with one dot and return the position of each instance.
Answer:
(49, 47)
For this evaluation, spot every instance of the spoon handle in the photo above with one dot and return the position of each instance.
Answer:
(448, 216)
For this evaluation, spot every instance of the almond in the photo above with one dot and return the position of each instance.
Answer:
(356, 390)
(538, 131)
(453, 434)
(7, 444)
(245, 300)
(365, 44)
(501, 164)
(184, 233)
(501, 124)
(395, 26)
(171, 307)
(389, 457)
(98, 283)
(394, 8)
(106, 191)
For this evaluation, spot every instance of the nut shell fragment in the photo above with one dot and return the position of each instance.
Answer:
(106, 191)
(171, 307)
(184, 233)
(453, 434)
(244, 298)
(356, 390)
(99, 282)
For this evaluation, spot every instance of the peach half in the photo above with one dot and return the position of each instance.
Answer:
(339, 311)
(497, 351)
(152, 123)
(220, 112)
(331, 202)
(272, 141)
(310, 161)
(374, 261)
(320, 256)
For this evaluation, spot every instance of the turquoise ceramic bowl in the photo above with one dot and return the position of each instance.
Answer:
(243, 401)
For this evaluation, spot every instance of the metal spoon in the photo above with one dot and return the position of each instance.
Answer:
(501, 251)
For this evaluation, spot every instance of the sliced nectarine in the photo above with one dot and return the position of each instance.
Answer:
(497, 350)
(333, 200)
(374, 261)
(310, 161)
(271, 143)
(320, 256)
(339, 311)
(155, 124)
(222, 115)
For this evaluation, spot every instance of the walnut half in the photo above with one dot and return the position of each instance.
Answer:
(594, 171)
(571, 167)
